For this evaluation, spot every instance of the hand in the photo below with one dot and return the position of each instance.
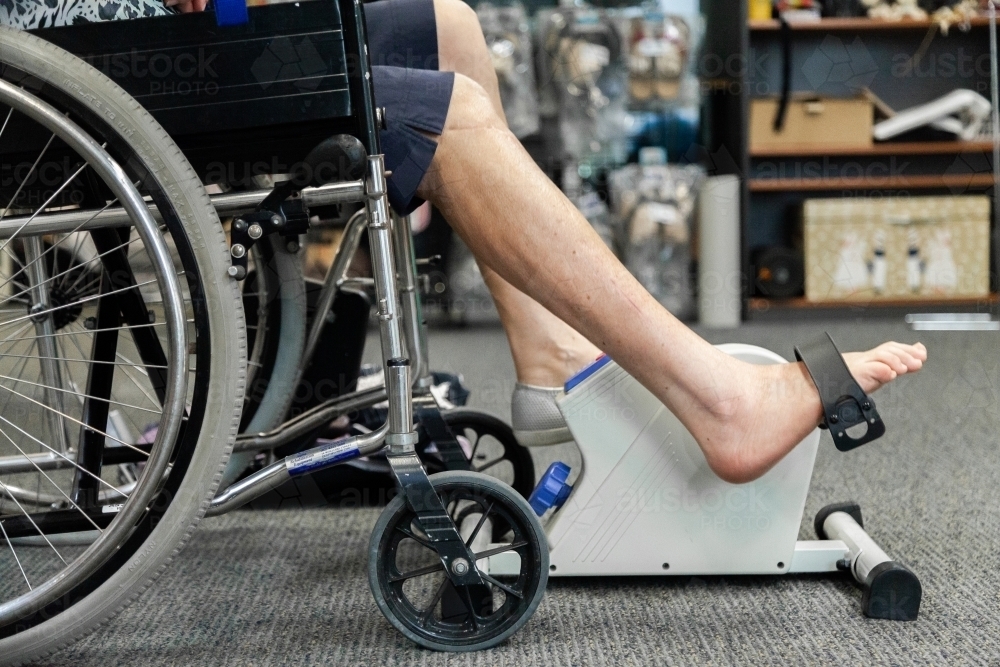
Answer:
(185, 6)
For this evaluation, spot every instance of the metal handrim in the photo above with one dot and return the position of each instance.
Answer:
(157, 463)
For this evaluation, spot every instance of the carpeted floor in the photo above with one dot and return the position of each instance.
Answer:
(290, 587)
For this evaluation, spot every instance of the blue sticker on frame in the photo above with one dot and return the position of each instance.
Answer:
(231, 12)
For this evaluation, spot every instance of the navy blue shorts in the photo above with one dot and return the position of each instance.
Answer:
(402, 44)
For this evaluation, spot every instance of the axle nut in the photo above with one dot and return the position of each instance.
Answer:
(460, 566)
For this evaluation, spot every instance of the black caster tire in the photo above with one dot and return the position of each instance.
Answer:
(396, 537)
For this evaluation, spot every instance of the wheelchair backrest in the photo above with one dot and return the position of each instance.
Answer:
(243, 99)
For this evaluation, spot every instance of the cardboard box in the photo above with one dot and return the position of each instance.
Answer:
(812, 122)
(929, 248)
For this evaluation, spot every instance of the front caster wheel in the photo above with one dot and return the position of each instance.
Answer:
(409, 582)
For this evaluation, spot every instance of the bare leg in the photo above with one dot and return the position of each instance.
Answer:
(745, 418)
(545, 349)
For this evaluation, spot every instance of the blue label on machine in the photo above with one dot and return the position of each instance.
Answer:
(322, 457)
(597, 365)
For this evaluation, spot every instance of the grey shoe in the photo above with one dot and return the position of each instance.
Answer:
(535, 416)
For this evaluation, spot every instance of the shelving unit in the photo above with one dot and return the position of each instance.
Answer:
(916, 182)
(887, 148)
(905, 63)
(857, 24)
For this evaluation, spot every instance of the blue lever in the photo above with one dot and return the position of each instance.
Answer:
(552, 490)
(231, 12)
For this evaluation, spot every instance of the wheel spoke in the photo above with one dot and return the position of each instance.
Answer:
(31, 171)
(479, 525)
(14, 553)
(429, 611)
(58, 488)
(85, 299)
(44, 205)
(60, 454)
(501, 549)
(74, 420)
(32, 521)
(413, 536)
(76, 246)
(79, 394)
(489, 464)
(466, 598)
(419, 572)
(502, 586)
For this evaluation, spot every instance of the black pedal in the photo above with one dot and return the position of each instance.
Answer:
(845, 404)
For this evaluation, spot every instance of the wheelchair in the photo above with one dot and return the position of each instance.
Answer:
(124, 351)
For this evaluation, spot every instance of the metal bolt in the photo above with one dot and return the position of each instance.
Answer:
(240, 224)
(255, 232)
(834, 419)
(238, 251)
(292, 246)
(460, 566)
(90, 323)
(277, 220)
(237, 272)
(37, 313)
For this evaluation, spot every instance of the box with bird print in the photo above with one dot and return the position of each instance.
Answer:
(865, 249)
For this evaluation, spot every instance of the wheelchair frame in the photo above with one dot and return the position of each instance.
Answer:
(404, 356)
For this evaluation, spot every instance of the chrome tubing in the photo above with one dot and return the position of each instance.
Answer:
(402, 437)
(413, 317)
(336, 277)
(309, 420)
(232, 203)
(279, 472)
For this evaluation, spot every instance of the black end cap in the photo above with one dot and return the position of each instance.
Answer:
(849, 507)
(892, 592)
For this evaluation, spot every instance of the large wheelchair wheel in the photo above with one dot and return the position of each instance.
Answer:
(122, 349)
(409, 583)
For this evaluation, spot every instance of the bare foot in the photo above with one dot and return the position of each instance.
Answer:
(752, 416)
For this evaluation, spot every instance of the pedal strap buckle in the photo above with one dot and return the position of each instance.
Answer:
(845, 404)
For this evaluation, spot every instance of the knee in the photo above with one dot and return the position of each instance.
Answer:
(472, 108)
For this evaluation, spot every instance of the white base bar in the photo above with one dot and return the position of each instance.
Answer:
(818, 556)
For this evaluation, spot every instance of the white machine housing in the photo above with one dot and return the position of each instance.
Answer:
(646, 501)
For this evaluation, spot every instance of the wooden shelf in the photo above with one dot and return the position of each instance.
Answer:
(921, 182)
(763, 304)
(886, 148)
(857, 24)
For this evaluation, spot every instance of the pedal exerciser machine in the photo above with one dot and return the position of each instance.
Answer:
(647, 503)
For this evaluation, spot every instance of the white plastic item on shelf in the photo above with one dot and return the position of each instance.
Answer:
(719, 276)
(653, 207)
(509, 40)
(583, 80)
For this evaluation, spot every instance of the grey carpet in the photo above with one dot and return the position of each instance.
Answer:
(290, 588)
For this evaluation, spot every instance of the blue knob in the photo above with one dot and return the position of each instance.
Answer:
(552, 490)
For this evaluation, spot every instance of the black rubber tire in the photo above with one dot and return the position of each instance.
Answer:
(144, 556)
(455, 479)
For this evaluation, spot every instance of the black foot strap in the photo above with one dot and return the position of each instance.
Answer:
(845, 404)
